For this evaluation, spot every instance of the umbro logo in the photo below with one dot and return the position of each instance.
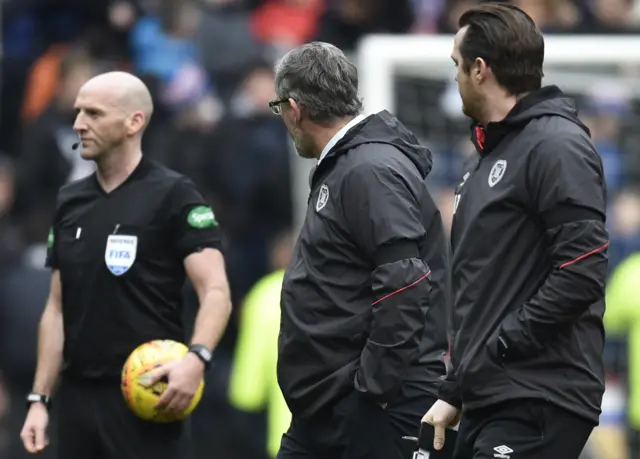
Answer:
(502, 452)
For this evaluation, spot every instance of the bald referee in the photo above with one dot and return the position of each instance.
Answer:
(122, 242)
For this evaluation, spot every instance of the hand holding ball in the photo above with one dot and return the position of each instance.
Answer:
(140, 390)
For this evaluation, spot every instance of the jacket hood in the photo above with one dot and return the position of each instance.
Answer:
(385, 128)
(547, 101)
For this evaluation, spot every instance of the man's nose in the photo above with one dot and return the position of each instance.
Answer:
(79, 125)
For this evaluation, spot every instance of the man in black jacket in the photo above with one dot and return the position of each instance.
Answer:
(364, 300)
(529, 255)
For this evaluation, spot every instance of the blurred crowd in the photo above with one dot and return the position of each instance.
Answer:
(209, 65)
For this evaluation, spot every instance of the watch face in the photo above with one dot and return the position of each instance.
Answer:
(205, 354)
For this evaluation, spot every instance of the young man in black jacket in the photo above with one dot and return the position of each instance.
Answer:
(529, 255)
(364, 300)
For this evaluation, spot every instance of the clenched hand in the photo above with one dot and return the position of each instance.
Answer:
(441, 416)
(34, 432)
(183, 377)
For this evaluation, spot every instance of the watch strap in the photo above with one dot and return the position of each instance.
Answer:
(35, 397)
(204, 354)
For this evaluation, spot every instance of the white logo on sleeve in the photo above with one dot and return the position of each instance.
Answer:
(120, 253)
(502, 452)
(497, 172)
(323, 197)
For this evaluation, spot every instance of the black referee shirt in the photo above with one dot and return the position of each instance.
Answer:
(120, 257)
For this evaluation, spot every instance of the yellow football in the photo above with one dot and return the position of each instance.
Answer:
(141, 399)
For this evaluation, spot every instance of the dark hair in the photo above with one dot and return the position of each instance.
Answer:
(320, 78)
(507, 39)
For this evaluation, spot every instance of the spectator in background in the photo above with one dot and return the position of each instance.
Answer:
(43, 82)
(285, 24)
(251, 163)
(10, 238)
(344, 22)
(625, 225)
(611, 16)
(254, 384)
(165, 56)
(605, 108)
(163, 49)
(552, 15)
(427, 14)
(47, 160)
(622, 318)
(448, 22)
(226, 38)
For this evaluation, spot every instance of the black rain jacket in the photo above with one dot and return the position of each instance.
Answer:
(364, 299)
(529, 262)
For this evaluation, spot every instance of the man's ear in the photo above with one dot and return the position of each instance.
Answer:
(296, 109)
(480, 69)
(136, 122)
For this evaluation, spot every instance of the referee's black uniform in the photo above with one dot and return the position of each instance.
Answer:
(364, 300)
(529, 267)
(120, 257)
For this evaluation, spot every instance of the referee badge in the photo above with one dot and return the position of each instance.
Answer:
(323, 198)
(120, 253)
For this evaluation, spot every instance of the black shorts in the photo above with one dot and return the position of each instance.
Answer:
(358, 428)
(522, 429)
(95, 422)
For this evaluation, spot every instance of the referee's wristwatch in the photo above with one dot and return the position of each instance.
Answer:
(35, 397)
(204, 354)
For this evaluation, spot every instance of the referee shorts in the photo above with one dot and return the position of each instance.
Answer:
(95, 422)
(522, 429)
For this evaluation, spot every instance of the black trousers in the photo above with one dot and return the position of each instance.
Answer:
(633, 441)
(94, 422)
(522, 429)
(357, 428)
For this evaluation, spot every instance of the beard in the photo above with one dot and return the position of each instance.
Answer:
(98, 149)
(304, 145)
(469, 107)
(472, 105)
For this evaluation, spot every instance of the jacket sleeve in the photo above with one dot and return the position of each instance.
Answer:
(567, 192)
(449, 391)
(384, 218)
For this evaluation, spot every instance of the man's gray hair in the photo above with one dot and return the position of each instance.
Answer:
(320, 78)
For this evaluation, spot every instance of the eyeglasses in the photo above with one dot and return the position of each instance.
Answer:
(276, 106)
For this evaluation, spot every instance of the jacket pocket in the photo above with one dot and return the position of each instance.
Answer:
(482, 374)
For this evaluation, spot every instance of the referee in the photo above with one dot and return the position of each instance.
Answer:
(529, 255)
(364, 318)
(121, 243)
